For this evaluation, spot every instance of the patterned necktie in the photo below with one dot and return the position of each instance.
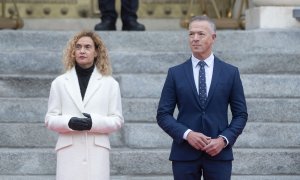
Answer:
(202, 84)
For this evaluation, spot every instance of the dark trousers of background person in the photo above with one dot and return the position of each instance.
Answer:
(128, 10)
(109, 15)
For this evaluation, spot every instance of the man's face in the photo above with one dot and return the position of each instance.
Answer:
(85, 52)
(201, 38)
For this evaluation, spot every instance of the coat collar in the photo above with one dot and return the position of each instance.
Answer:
(93, 85)
(215, 78)
(72, 87)
(188, 68)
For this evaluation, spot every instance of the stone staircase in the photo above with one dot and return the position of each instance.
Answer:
(269, 62)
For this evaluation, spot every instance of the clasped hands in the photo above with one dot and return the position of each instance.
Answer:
(81, 124)
(204, 143)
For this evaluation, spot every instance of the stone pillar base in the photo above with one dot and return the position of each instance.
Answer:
(270, 17)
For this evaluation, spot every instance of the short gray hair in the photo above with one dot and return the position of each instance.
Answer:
(204, 18)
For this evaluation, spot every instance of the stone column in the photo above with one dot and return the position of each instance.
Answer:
(271, 14)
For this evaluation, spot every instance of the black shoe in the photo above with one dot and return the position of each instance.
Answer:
(133, 26)
(105, 25)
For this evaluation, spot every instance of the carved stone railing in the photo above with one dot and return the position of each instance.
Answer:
(228, 14)
(270, 14)
(13, 21)
(147, 8)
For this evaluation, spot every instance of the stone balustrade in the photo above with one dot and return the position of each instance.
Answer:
(272, 14)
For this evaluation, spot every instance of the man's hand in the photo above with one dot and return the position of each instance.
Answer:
(215, 146)
(198, 140)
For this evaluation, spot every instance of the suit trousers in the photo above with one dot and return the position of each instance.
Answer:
(128, 10)
(208, 168)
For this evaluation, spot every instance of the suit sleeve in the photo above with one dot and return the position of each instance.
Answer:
(166, 108)
(114, 120)
(54, 119)
(238, 109)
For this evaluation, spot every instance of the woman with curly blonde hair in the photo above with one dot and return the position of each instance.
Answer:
(84, 107)
(101, 61)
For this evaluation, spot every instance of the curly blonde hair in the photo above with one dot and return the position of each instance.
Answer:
(101, 62)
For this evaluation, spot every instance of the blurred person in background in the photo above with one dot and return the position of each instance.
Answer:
(109, 16)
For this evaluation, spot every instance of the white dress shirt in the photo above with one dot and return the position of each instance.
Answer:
(208, 71)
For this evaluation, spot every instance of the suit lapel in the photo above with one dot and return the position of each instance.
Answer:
(190, 76)
(215, 78)
(72, 87)
(93, 85)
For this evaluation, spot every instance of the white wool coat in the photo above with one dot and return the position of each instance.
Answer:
(84, 155)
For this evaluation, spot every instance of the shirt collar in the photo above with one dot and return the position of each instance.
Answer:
(209, 61)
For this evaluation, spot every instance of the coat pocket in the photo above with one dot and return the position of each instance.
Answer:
(63, 141)
(102, 140)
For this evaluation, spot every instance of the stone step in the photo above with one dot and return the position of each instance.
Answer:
(255, 85)
(137, 135)
(142, 135)
(33, 110)
(27, 135)
(150, 86)
(71, 24)
(156, 41)
(141, 162)
(234, 177)
(46, 62)
(268, 148)
(247, 62)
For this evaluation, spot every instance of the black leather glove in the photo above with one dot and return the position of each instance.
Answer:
(87, 115)
(80, 124)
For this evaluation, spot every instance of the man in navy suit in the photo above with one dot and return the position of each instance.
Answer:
(202, 135)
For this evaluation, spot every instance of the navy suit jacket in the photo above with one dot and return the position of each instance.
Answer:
(180, 90)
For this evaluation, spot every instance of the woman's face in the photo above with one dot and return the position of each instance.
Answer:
(85, 52)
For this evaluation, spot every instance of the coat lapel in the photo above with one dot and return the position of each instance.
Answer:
(93, 85)
(72, 87)
(215, 78)
(190, 76)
